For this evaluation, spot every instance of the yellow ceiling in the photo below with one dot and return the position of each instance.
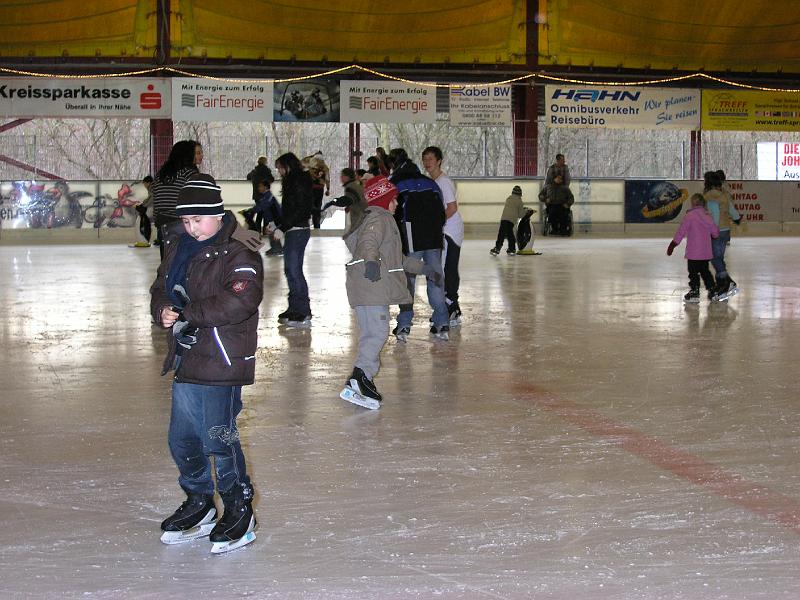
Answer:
(714, 35)
(458, 31)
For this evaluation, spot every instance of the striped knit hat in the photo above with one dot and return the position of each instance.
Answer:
(379, 191)
(200, 196)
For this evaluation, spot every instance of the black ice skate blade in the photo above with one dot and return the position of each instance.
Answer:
(350, 395)
(225, 547)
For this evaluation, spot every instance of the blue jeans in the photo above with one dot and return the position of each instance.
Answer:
(432, 258)
(202, 424)
(294, 250)
(718, 246)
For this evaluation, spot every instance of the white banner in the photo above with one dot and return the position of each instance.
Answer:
(99, 98)
(622, 107)
(387, 102)
(488, 106)
(197, 99)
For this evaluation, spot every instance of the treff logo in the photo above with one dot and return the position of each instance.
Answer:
(150, 100)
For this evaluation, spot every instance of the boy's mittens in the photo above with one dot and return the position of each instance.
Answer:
(671, 248)
(372, 270)
(185, 334)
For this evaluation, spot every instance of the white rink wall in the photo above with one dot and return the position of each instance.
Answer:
(96, 211)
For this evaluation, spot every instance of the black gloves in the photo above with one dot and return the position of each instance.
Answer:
(372, 270)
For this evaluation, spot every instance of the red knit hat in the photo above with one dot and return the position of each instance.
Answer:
(379, 191)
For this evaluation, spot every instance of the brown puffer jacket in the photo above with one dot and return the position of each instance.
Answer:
(375, 237)
(224, 282)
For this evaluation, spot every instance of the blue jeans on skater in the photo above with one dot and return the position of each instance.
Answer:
(718, 246)
(294, 250)
(432, 258)
(203, 424)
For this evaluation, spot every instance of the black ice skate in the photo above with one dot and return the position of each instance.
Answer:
(441, 333)
(401, 333)
(455, 315)
(299, 321)
(726, 289)
(237, 526)
(495, 251)
(284, 316)
(193, 519)
(692, 296)
(361, 390)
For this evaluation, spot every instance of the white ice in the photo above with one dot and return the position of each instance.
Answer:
(582, 435)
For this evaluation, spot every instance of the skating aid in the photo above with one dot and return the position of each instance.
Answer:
(350, 395)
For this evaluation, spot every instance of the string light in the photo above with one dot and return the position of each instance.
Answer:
(542, 75)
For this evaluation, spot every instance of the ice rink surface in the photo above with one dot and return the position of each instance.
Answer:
(582, 435)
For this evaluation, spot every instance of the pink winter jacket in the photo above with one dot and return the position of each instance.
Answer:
(698, 228)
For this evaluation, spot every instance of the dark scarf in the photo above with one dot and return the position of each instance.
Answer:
(188, 247)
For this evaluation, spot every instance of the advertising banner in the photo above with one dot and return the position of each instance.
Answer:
(198, 99)
(733, 110)
(790, 202)
(314, 101)
(660, 201)
(387, 102)
(94, 98)
(63, 204)
(488, 106)
(621, 107)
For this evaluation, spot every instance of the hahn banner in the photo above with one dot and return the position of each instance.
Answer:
(485, 106)
(387, 102)
(621, 107)
(732, 110)
(122, 97)
(197, 99)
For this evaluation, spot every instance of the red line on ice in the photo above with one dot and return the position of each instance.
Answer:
(756, 498)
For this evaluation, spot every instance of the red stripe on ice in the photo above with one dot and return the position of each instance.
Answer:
(756, 498)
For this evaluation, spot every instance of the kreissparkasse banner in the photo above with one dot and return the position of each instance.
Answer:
(123, 97)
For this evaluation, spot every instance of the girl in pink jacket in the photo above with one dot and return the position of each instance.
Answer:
(698, 228)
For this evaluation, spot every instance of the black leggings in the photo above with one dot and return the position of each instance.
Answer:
(698, 269)
(506, 232)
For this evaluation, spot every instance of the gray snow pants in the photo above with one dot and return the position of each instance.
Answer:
(373, 323)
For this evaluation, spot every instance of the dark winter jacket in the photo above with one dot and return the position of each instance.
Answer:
(257, 175)
(224, 282)
(296, 200)
(420, 209)
(555, 193)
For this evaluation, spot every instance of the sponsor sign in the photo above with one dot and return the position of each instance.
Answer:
(751, 111)
(488, 106)
(387, 102)
(198, 99)
(622, 107)
(93, 98)
(662, 201)
(790, 202)
(306, 101)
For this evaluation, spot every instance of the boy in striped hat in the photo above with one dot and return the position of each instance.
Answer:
(206, 294)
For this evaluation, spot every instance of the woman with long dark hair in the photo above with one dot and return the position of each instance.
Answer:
(296, 203)
(180, 165)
